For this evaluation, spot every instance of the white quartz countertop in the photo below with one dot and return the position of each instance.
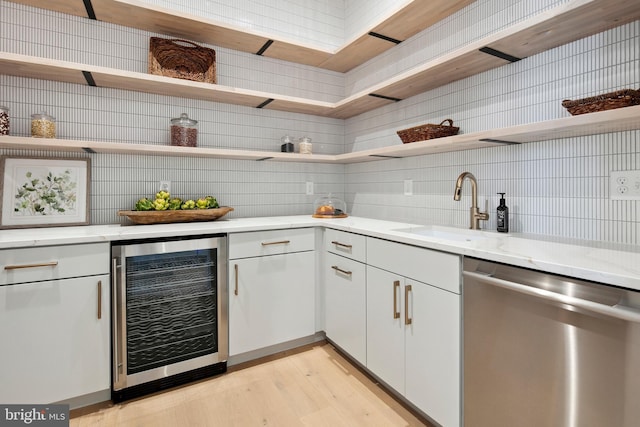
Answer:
(600, 262)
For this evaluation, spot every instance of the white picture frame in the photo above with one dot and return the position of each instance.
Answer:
(44, 192)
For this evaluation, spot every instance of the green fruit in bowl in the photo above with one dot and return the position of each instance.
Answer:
(144, 204)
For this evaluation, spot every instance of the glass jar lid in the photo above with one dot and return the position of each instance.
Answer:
(42, 116)
(184, 121)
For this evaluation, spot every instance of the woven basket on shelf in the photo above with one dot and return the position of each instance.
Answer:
(607, 101)
(182, 59)
(428, 131)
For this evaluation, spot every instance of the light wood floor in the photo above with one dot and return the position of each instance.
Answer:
(313, 387)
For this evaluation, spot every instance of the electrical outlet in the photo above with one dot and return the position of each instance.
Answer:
(309, 188)
(625, 185)
(408, 187)
(165, 186)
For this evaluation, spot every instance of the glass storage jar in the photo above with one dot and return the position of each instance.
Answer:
(287, 144)
(184, 131)
(304, 145)
(4, 120)
(43, 125)
(329, 207)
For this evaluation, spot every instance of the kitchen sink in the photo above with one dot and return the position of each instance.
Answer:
(448, 233)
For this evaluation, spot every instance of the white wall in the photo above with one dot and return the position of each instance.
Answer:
(312, 22)
(554, 188)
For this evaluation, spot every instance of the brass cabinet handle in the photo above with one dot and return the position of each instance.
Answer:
(396, 287)
(336, 268)
(99, 299)
(344, 245)
(42, 264)
(281, 242)
(407, 319)
(235, 267)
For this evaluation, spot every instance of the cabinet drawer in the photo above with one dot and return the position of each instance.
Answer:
(272, 242)
(435, 268)
(346, 244)
(53, 262)
(346, 305)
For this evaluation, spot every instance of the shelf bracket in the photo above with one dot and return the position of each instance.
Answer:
(383, 37)
(499, 141)
(499, 54)
(90, 12)
(89, 78)
(264, 47)
(390, 98)
(262, 159)
(89, 150)
(265, 103)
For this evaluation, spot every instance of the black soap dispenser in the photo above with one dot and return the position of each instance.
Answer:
(502, 215)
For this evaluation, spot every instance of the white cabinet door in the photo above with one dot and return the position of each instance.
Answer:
(432, 352)
(429, 320)
(55, 346)
(345, 305)
(271, 300)
(385, 327)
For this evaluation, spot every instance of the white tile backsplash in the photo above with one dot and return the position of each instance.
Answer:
(553, 187)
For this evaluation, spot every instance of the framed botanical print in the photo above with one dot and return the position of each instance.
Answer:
(44, 192)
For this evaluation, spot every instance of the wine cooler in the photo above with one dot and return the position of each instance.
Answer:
(169, 313)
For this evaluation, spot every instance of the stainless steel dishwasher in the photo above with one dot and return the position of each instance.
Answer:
(544, 350)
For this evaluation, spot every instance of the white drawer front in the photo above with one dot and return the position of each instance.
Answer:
(346, 244)
(259, 243)
(53, 262)
(435, 268)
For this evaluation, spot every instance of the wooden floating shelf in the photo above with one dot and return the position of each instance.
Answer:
(619, 120)
(556, 26)
(101, 147)
(71, 72)
(408, 19)
(548, 29)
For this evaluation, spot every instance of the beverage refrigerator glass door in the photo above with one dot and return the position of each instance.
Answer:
(169, 313)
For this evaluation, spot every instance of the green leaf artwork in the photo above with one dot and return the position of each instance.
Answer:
(51, 194)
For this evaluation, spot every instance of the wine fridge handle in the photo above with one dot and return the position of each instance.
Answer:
(118, 325)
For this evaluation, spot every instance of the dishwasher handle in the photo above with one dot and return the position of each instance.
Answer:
(619, 312)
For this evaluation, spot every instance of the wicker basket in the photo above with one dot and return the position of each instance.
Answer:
(182, 59)
(428, 131)
(607, 101)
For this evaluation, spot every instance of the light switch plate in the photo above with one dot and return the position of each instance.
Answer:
(625, 185)
(309, 188)
(408, 187)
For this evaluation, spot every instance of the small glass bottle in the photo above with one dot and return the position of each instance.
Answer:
(184, 131)
(4, 120)
(43, 125)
